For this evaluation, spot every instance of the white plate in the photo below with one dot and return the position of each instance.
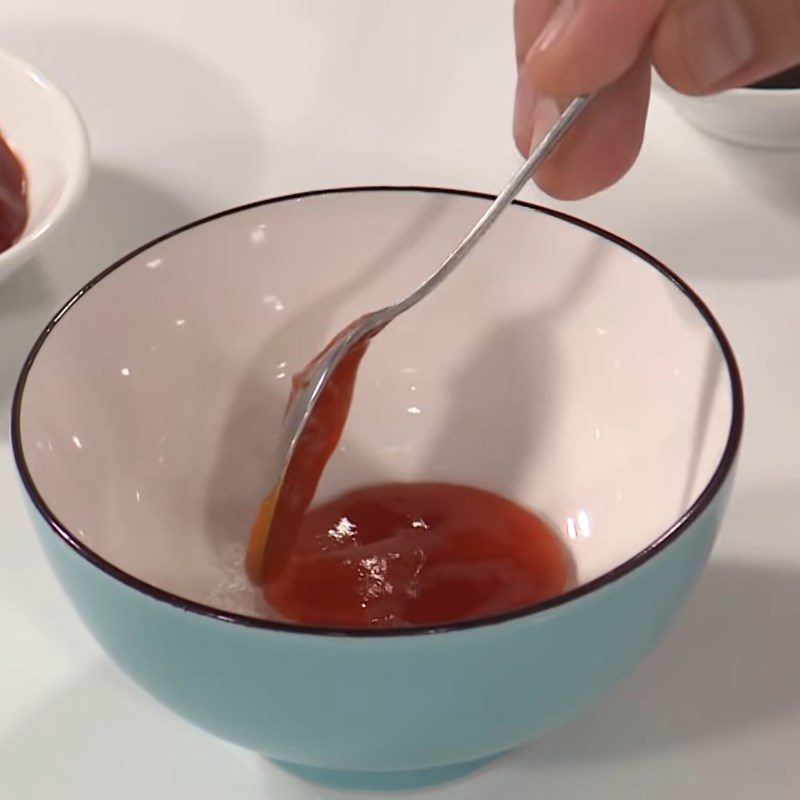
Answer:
(44, 129)
(757, 117)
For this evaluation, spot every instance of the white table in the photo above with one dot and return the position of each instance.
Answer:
(194, 107)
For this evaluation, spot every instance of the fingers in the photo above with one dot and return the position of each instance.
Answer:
(585, 44)
(565, 48)
(703, 46)
(530, 17)
(604, 142)
(570, 47)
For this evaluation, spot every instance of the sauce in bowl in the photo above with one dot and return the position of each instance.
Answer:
(395, 554)
(13, 197)
(401, 554)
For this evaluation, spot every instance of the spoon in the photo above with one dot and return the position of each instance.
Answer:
(315, 377)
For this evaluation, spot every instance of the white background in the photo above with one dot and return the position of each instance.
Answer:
(196, 106)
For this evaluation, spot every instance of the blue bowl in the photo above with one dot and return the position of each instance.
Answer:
(590, 383)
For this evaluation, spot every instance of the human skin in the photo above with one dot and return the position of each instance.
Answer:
(569, 47)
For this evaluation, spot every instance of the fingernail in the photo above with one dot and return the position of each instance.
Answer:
(718, 40)
(556, 26)
(545, 115)
(524, 105)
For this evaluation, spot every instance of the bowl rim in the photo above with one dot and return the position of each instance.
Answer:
(775, 98)
(760, 93)
(673, 532)
(76, 168)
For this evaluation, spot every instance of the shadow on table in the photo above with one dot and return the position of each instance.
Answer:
(168, 106)
(772, 177)
(731, 662)
(97, 737)
(142, 88)
(119, 212)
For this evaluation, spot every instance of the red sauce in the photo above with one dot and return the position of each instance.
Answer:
(396, 555)
(273, 535)
(13, 197)
(393, 555)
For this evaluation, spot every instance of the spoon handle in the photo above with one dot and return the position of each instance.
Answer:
(302, 403)
(512, 189)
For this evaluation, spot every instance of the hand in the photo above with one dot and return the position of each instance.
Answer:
(570, 47)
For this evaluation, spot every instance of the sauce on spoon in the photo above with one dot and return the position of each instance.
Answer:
(274, 532)
(392, 555)
(13, 197)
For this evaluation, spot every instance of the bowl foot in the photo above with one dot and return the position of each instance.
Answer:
(404, 780)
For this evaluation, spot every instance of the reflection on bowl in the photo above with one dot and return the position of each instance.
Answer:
(560, 367)
(47, 135)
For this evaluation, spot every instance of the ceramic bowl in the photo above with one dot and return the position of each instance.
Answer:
(559, 366)
(767, 118)
(46, 133)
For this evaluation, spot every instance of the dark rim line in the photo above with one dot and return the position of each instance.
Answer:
(670, 535)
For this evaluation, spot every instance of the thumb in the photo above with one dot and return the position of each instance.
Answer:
(703, 46)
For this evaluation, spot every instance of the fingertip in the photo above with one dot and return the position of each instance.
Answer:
(588, 45)
(524, 108)
(605, 142)
(530, 17)
(566, 182)
(670, 51)
(705, 46)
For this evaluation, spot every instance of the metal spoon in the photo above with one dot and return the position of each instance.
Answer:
(302, 404)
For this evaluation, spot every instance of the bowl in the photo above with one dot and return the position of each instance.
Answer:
(46, 133)
(559, 366)
(758, 117)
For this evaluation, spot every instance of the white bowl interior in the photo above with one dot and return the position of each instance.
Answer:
(46, 133)
(556, 367)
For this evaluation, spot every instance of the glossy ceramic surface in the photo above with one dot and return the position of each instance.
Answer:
(587, 382)
(46, 133)
(767, 118)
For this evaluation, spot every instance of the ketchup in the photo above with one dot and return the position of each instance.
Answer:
(13, 197)
(274, 531)
(393, 555)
